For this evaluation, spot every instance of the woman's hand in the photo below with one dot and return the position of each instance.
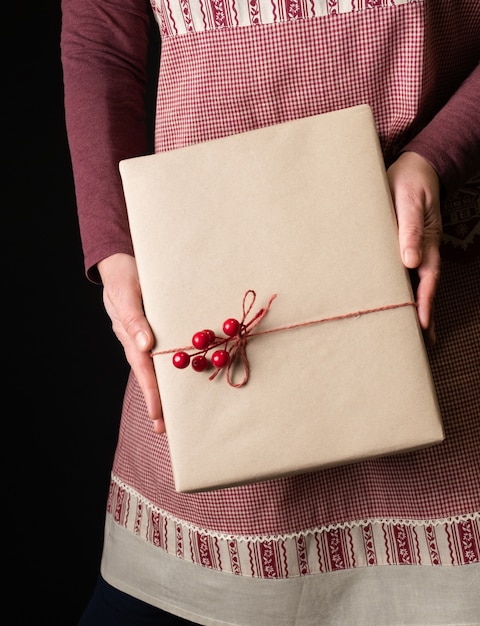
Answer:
(123, 302)
(415, 189)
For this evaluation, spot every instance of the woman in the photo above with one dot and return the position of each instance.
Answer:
(386, 541)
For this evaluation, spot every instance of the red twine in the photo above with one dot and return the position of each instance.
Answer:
(239, 347)
(238, 343)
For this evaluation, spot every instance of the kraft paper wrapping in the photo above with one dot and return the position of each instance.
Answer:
(300, 210)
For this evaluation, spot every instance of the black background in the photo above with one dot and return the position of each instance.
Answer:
(65, 371)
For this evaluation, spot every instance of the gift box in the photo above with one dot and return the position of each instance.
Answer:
(290, 231)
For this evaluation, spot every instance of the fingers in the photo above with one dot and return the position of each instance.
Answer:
(410, 229)
(429, 275)
(142, 366)
(409, 196)
(415, 191)
(123, 303)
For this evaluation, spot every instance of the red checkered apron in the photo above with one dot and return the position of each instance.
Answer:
(228, 67)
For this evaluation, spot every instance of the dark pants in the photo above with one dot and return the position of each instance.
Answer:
(111, 607)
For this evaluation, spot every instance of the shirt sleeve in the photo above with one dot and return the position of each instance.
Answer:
(104, 51)
(451, 141)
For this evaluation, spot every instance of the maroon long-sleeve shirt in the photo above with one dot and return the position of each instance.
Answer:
(105, 75)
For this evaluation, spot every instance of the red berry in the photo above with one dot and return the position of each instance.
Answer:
(231, 326)
(211, 335)
(220, 358)
(199, 363)
(181, 360)
(200, 340)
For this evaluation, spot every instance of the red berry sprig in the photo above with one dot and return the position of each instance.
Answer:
(206, 340)
(226, 351)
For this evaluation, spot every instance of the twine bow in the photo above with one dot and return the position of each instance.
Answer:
(238, 348)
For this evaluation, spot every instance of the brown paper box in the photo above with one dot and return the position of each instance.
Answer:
(301, 210)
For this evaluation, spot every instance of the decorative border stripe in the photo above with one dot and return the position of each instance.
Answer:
(365, 543)
(181, 17)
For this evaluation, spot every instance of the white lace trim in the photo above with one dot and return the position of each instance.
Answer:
(395, 521)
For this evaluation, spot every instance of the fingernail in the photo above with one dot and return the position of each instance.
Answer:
(141, 340)
(411, 257)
